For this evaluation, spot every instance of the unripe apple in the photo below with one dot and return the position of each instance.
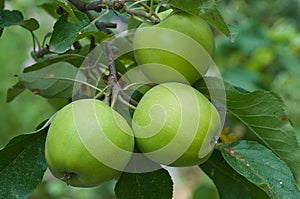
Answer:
(175, 125)
(178, 49)
(88, 143)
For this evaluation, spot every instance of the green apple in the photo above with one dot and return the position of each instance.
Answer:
(88, 143)
(178, 49)
(175, 125)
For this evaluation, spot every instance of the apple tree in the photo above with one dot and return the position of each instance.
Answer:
(139, 92)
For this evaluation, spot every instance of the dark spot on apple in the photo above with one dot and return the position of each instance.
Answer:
(284, 117)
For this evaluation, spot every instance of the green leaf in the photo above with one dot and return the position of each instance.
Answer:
(191, 6)
(74, 59)
(10, 18)
(30, 24)
(151, 185)
(54, 81)
(64, 4)
(13, 92)
(262, 112)
(133, 23)
(66, 33)
(22, 165)
(14, 17)
(230, 184)
(214, 16)
(207, 9)
(261, 167)
(1, 7)
(2, 2)
(50, 8)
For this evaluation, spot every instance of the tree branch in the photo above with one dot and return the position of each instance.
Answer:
(142, 14)
(98, 5)
(113, 86)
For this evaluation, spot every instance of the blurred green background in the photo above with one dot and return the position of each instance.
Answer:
(265, 54)
(266, 51)
(24, 113)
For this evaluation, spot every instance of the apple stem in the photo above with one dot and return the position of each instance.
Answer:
(114, 89)
(113, 86)
(152, 16)
(124, 101)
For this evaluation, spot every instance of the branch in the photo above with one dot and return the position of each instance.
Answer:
(113, 85)
(142, 14)
(42, 52)
(79, 5)
(77, 45)
(98, 5)
(103, 26)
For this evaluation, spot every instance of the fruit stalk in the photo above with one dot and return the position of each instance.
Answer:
(113, 85)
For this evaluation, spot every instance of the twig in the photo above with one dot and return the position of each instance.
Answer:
(79, 5)
(113, 86)
(42, 52)
(103, 26)
(77, 45)
(120, 97)
(128, 99)
(92, 43)
(146, 7)
(98, 5)
(142, 14)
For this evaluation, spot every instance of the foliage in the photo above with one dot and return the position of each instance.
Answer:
(260, 162)
(22, 165)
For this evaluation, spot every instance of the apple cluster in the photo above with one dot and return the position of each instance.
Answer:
(173, 124)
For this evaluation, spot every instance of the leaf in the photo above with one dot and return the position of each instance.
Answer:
(64, 4)
(207, 9)
(14, 17)
(261, 167)
(214, 16)
(54, 81)
(74, 59)
(30, 24)
(151, 185)
(1, 7)
(10, 18)
(230, 184)
(191, 6)
(132, 23)
(50, 8)
(2, 2)
(66, 33)
(22, 165)
(13, 92)
(262, 112)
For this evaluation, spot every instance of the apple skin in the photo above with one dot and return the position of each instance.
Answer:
(69, 156)
(183, 43)
(175, 125)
